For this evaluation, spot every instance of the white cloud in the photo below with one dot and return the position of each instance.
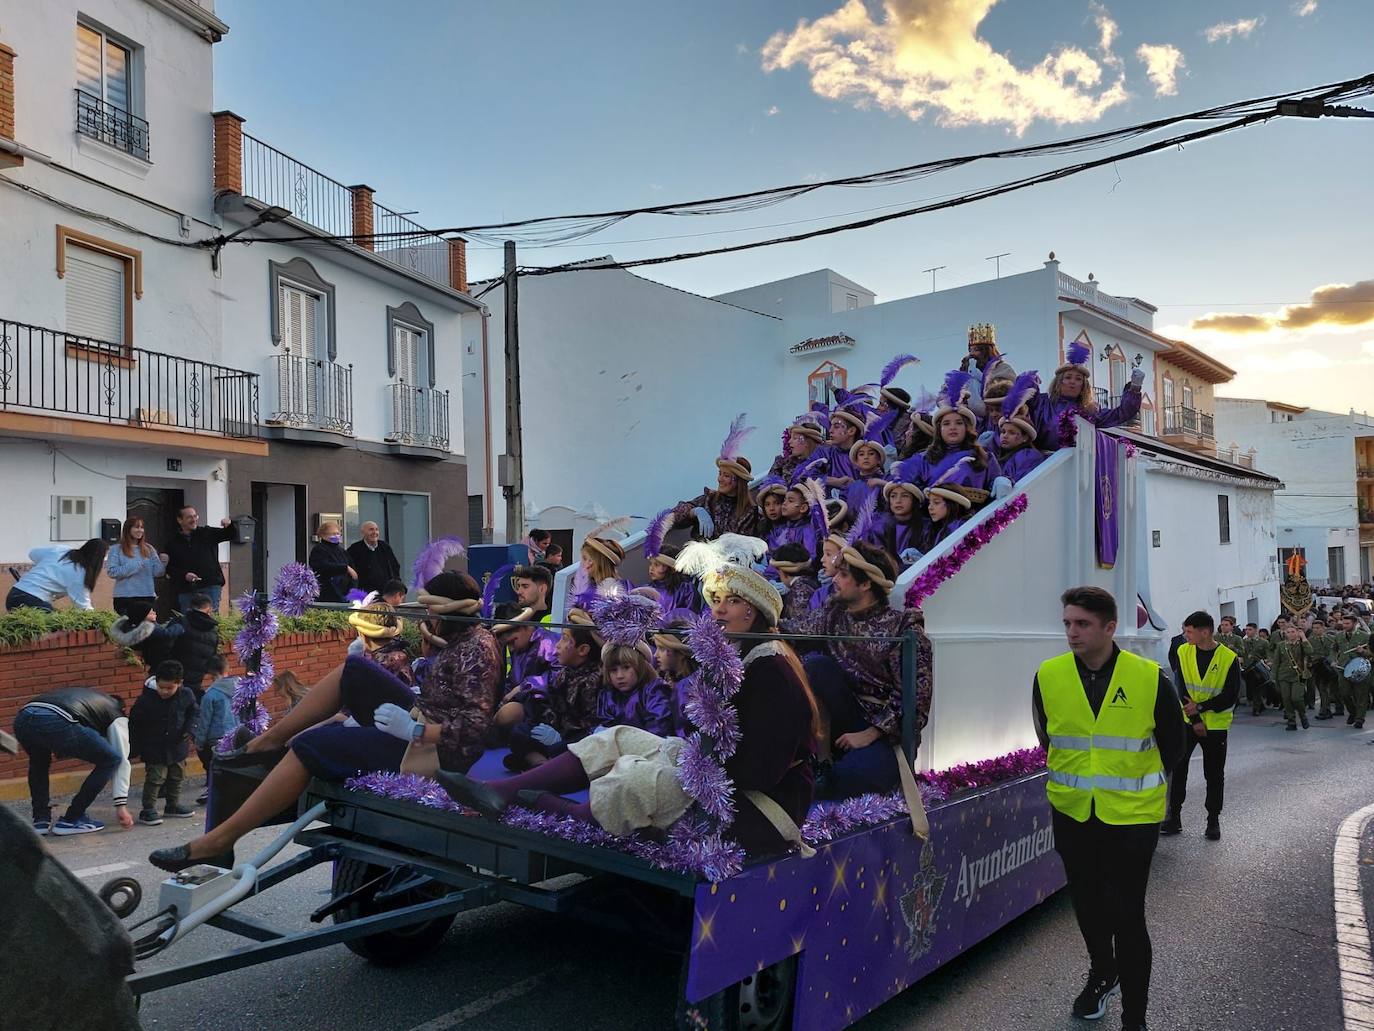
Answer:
(1304, 8)
(1162, 61)
(921, 57)
(1238, 29)
(772, 111)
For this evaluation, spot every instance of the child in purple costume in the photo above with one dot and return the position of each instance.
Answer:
(631, 694)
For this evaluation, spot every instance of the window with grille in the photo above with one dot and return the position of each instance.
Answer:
(1224, 518)
(103, 68)
(96, 294)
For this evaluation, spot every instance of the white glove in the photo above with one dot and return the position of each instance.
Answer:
(910, 556)
(546, 735)
(395, 721)
(1137, 376)
(987, 437)
(349, 721)
(705, 524)
(1001, 487)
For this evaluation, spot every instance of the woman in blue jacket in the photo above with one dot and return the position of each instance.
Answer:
(133, 566)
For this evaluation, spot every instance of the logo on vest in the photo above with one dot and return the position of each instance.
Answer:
(1119, 699)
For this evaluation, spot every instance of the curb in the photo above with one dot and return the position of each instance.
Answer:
(16, 789)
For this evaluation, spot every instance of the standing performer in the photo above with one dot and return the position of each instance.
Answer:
(1352, 643)
(729, 508)
(895, 399)
(1324, 668)
(800, 442)
(1208, 678)
(1110, 722)
(1070, 393)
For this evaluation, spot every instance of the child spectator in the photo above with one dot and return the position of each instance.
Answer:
(289, 687)
(216, 717)
(139, 631)
(631, 695)
(160, 726)
(198, 642)
(394, 592)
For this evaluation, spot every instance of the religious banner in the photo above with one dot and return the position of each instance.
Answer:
(1108, 499)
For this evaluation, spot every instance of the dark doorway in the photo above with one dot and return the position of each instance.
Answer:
(279, 510)
(158, 508)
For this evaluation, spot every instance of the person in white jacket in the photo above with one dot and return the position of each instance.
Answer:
(76, 723)
(59, 572)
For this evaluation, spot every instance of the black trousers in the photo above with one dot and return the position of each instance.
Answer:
(1108, 868)
(1213, 770)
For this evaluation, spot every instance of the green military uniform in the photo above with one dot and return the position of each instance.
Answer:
(1292, 666)
(1257, 649)
(1354, 693)
(1324, 674)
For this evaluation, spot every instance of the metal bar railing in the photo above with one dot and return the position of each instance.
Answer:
(312, 392)
(1182, 419)
(47, 370)
(111, 125)
(311, 196)
(414, 248)
(419, 415)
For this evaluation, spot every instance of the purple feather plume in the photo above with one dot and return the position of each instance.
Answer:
(955, 381)
(815, 467)
(658, 529)
(733, 445)
(879, 425)
(866, 522)
(820, 408)
(494, 583)
(1077, 353)
(1022, 389)
(820, 525)
(895, 366)
(434, 556)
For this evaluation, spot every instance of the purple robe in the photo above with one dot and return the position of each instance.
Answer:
(1016, 464)
(795, 531)
(837, 462)
(857, 493)
(571, 698)
(1045, 414)
(933, 533)
(821, 594)
(648, 707)
(924, 472)
(530, 668)
(899, 537)
(683, 596)
(797, 599)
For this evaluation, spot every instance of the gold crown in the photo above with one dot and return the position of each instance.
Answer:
(982, 333)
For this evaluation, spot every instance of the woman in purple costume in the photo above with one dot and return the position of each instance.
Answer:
(1069, 394)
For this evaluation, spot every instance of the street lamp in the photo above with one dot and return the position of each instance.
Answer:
(275, 213)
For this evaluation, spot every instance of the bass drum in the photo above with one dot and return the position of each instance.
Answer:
(1262, 672)
(1357, 669)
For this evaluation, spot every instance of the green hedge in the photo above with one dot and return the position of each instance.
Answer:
(24, 626)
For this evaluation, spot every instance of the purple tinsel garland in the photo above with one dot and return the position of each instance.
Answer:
(623, 618)
(701, 763)
(693, 846)
(1068, 429)
(295, 589)
(949, 564)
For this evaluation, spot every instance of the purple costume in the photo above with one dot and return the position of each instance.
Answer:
(798, 597)
(838, 464)
(795, 531)
(572, 698)
(899, 537)
(821, 594)
(933, 533)
(921, 471)
(859, 491)
(529, 669)
(1017, 463)
(682, 726)
(721, 509)
(683, 595)
(649, 707)
(1046, 412)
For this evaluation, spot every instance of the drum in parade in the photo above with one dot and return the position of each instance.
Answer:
(1263, 671)
(1357, 669)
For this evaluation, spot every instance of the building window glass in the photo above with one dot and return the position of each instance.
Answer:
(103, 68)
(402, 517)
(1187, 395)
(1224, 518)
(851, 301)
(824, 380)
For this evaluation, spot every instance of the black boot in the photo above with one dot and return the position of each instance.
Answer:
(1171, 825)
(1303, 717)
(174, 860)
(1213, 831)
(472, 793)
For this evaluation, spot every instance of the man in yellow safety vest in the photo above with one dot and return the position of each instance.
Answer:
(1110, 722)
(1208, 678)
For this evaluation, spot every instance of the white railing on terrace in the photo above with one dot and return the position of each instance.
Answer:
(1089, 293)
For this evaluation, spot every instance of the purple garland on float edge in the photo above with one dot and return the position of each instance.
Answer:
(1068, 429)
(947, 565)
(294, 590)
(692, 847)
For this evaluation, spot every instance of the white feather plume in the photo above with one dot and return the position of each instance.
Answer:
(730, 549)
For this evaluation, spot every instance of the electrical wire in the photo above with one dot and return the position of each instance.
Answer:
(97, 216)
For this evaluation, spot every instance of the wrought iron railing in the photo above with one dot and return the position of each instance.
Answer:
(419, 416)
(313, 394)
(416, 249)
(278, 179)
(111, 125)
(1180, 419)
(46, 370)
(1367, 515)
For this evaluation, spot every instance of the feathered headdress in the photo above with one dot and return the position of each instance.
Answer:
(945, 487)
(612, 529)
(770, 485)
(434, 557)
(1023, 388)
(955, 395)
(1077, 355)
(888, 374)
(813, 468)
(658, 529)
(866, 523)
(732, 449)
(726, 566)
(820, 518)
(903, 477)
(876, 436)
(493, 586)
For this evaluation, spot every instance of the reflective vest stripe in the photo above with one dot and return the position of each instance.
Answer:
(1210, 692)
(1104, 741)
(1146, 783)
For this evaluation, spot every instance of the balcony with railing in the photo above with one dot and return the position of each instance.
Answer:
(419, 418)
(1089, 293)
(276, 179)
(111, 125)
(88, 384)
(314, 399)
(1181, 424)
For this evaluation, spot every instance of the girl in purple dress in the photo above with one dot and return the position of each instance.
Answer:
(956, 439)
(674, 590)
(902, 528)
(631, 694)
(947, 510)
(1018, 455)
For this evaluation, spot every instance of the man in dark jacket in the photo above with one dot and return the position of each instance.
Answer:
(373, 559)
(160, 726)
(76, 723)
(193, 557)
(197, 642)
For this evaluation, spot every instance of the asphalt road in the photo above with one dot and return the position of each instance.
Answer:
(1243, 930)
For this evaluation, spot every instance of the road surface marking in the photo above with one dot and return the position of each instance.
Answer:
(454, 1018)
(96, 871)
(1352, 930)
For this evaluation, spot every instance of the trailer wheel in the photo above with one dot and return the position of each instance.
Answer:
(386, 948)
(761, 1002)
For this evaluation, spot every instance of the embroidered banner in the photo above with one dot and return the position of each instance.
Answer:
(1108, 501)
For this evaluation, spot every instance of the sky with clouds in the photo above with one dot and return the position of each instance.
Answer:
(1255, 245)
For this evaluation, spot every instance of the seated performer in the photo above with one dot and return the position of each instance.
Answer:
(674, 590)
(869, 457)
(729, 508)
(956, 428)
(895, 400)
(903, 526)
(948, 505)
(633, 776)
(847, 424)
(631, 693)
(831, 547)
(1018, 454)
(1070, 394)
(530, 652)
(771, 490)
(566, 710)
(858, 683)
(380, 633)
(675, 664)
(456, 699)
(601, 558)
(796, 568)
(800, 441)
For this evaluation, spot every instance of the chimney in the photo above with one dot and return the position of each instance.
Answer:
(362, 216)
(7, 160)
(228, 152)
(458, 264)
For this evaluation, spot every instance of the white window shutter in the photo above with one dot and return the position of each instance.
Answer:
(89, 47)
(95, 295)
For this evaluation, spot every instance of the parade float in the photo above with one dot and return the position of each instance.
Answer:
(881, 893)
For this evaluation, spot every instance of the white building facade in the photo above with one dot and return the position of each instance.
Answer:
(1326, 460)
